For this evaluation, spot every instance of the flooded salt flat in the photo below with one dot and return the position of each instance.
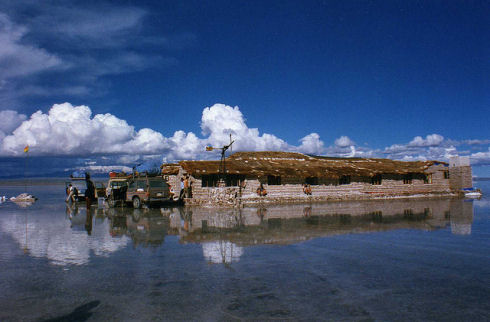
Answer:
(371, 260)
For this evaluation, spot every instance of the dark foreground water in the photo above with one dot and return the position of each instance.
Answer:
(425, 260)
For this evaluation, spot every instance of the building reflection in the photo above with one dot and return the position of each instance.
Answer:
(223, 233)
(461, 217)
(294, 223)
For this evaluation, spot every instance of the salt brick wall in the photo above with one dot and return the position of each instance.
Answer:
(388, 187)
(460, 177)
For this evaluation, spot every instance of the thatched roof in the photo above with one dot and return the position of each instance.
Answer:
(290, 164)
(170, 168)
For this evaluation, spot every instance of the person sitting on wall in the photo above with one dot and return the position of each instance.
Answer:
(307, 189)
(261, 191)
(242, 186)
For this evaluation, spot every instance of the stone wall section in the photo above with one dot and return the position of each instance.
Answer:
(293, 193)
(460, 177)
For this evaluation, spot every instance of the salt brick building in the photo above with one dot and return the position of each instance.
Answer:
(283, 174)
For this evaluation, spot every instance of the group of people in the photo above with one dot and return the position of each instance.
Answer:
(72, 192)
(261, 192)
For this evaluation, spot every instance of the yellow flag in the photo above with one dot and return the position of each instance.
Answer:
(209, 148)
(26, 149)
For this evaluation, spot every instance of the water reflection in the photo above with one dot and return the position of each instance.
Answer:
(295, 223)
(223, 233)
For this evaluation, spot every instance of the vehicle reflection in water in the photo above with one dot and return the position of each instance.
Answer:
(223, 233)
(146, 227)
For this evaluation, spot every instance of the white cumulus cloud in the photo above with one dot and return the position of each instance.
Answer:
(344, 141)
(73, 131)
(220, 120)
(430, 140)
(70, 130)
(311, 144)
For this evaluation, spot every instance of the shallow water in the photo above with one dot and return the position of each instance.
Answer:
(372, 260)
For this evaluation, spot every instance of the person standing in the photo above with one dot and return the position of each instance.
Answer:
(186, 186)
(90, 191)
(181, 195)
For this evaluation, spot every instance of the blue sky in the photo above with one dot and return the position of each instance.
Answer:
(99, 85)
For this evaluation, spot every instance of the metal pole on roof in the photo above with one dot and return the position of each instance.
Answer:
(222, 164)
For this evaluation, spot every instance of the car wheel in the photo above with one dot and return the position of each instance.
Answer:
(136, 203)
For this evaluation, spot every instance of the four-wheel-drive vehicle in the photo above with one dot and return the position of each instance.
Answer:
(145, 190)
(116, 190)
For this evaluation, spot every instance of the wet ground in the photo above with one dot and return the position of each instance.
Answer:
(424, 260)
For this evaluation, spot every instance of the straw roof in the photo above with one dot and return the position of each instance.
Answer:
(170, 168)
(290, 164)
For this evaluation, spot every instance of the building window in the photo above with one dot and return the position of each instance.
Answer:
(274, 180)
(407, 178)
(233, 180)
(376, 180)
(428, 178)
(312, 181)
(344, 180)
(209, 180)
(446, 174)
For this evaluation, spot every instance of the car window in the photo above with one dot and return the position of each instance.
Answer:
(132, 185)
(158, 184)
(118, 184)
(141, 184)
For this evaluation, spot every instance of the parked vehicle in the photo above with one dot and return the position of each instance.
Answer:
(145, 190)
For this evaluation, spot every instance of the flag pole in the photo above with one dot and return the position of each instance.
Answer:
(26, 151)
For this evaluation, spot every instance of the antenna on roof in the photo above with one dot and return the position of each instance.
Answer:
(222, 164)
(231, 149)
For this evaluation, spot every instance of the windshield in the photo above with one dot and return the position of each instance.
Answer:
(158, 184)
(118, 184)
